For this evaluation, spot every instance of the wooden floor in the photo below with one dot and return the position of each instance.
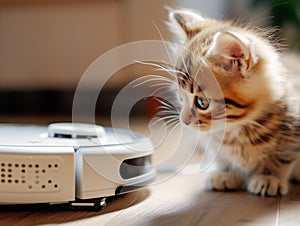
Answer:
(179, 200)
(174, 199)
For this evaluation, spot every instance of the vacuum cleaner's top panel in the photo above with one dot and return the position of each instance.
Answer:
(59, 135)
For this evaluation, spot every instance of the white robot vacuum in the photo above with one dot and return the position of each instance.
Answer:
(74, 164)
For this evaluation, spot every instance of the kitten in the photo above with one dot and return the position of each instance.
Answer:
(233, 85)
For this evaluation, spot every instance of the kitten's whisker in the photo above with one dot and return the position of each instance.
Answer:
(166, 64)
(169, 117)
(179, 72)
(166, 123)
(170, 71)
(172, 119)
(165, 114)
(162, 39)
(174, 127)
(151, 64)
(164, 107)
(161, 77)
(171, 112)
(170, 123)
(157, 121)
(184, 64)
(162, 84)
(164, 103)
(155, 78)
(169, 66)
(171, 99)
(158, 92)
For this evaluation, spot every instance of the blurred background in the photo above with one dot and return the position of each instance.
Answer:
(46, 46)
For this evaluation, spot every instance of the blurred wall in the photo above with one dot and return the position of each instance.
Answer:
(212, 8)
(49, 44)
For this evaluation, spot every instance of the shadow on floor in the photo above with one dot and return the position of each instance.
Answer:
(35, 215)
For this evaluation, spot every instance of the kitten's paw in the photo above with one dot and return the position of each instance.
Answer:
(267, 185)
(224, 181)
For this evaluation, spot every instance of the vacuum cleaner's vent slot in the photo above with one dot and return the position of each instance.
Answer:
(134, 167)
(59, 135)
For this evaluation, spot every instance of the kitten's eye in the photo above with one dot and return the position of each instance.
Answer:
(201, 102)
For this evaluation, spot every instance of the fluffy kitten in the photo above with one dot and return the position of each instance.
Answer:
(233, 84)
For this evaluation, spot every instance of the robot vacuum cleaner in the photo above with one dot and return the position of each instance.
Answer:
(74, 164)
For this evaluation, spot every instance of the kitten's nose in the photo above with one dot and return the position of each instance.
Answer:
(186, 119)
(187, 122)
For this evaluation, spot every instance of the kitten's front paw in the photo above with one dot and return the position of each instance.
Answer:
(224, 181)
(267, 185)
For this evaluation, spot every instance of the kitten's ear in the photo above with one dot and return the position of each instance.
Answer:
(185, 24)
(232, 51)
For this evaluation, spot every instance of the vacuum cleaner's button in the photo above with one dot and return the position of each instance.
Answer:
(75, 130)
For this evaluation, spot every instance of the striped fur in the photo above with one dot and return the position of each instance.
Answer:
(240, 73)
